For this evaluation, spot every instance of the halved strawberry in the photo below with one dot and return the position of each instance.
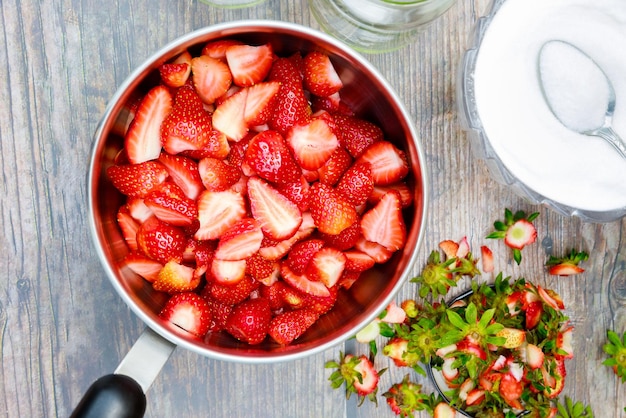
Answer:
(551, 298)
(260, 102)
(175, 75)
(232, 293)
(321, 304)
(335, 166)
(218, 211)
(176, 278)
(287, 326)
(344, 240)
(514, 337)
(211, 77)
(443, 410)
(219, 314)
(184, 172)
(356, 134)
(161, 241)
(359, 261)
(520, 234)
(171, 205)
(189, 311)
(229, 116)
(188, 126)
(312, 144)
(249, 64)
(138, 209)
(269, 156)
(320, 76)
(303, 283)
(144, 266)
(250, 321)
(331, 212)
(384, 223)
(240, 241)
(129, 227)
(297, 192)
(475, 397)
(278, 217)
(378, 252)
(326, 266)
(274, 250)
(228, 271)
(487, 259)
(406, 193)
(263, 270)
(357, 184)
(218, 175)
(137, 180)
(143, 138)
(511, 390)
(217, 49)
(468, 347)
(567, 266)
(564, 342)
(388, 163)
(534, 310)
(217, 146)
(302, 253)
(531, 355)
(292, 107)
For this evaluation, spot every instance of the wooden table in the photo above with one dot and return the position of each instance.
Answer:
(61, 323)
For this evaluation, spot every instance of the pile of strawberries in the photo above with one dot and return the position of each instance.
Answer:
(254, 193)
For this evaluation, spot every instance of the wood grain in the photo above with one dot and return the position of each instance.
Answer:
(61, 323)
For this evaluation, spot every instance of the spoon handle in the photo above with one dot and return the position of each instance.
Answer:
(607, 133)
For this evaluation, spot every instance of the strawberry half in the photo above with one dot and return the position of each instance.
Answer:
(161, 241)
(240, 241)
(270, 158)
(320, 76)
(331, 212)
(176, 278)
(169, 204)
(137, 180)
(211, 77)
(229, 116)
(218, 211)
(218, 175)
(184, 172)
(249, 64)
(232, 293)
(286, 327)
(292, 107)
(250, 321)
(356, 134)
(260, 101)
(278, 217)
(144, 266)
(327, 266)
(388, 164)
(384, 223)
(303, 283)
(312, 144)
(143, 138)
(357, 184)
(188, 311)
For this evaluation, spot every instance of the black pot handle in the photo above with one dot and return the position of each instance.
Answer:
(112, 396)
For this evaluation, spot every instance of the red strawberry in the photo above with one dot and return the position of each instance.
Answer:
(161, 241)
(358, 261)
(229, 116)
(292, 107)
(175, 74)
(297, 192)
(327, 266)
(356, 134)
(188, 311)
(211, 77)
(475, 397)
(302, 253)
(378, 252)
(145, 267)
(129, 227)
(406, 194)
(511, 390)
(531, 355)
(320, 304)
(184, 172)
(218, 211)
(384, 223)
(143, 138)
(333, 169)
(169, 204)
(219, 314)
(331, 103)
(487, 259)
(564, 342)
(250, 321)
(268, 155)
(345, 239)
(567, 266)
(217, 49)
(249, 64)
(137, 180)
(188, 126)
(388, 164)
(368, 382)
(357, 184)
(533, 314)
(468, 347)
(443, 410)
(554, 373)
(303, 283)
(274, 250)
(320, 77)
(138, 209)
(330, 210)
(217, 146)
(262, 270)
(176, 278)
(240, 241)
(281, 295)
(312, 144)
(228, 271)
(202, 253)
(278, 217)
(218, 175)
(286, 327)
(232, 294)
(260, 102)
(551, 298)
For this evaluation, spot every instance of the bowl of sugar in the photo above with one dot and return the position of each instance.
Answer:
(512, 126)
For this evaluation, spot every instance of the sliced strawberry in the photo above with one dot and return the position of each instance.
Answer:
(320, 76)
(487, 259)
(358, 261)
(302, 283)
(330, 210)
(388, 164)
(327, 266)
(368, 382)
(262, 270)
(475, 397)
(137, 180)
(565, 269)
(378, 252)
(176, 278)
(357, 184)
(211, 77)
(344, 240)
(175, 74)
(384, 223)
(448, 371)
(260, 102)
(250, 321)
(567, 266)
(292, 107)
(218, 211)
(302, 253)
(463, 249)
(281, 295)
(232, 293)
(217, 49)
(143, 138)
(129, 227)
(554, 377)
(449, 248)
(534, 310)
(184, 172)
(406, 193)
(274, 250)
(356, 134)
(443, 410)
(218, 175)
(510, 389)
(331, 103)
(514, 337)
(520, 234)
(161, 241)
(286, 327)
(551, 298)
(249, 64)
(217, 146)
(188, 311)
(321, 304)
(467, 347)
(228, 271)
(240, 241)
(335, 167)
(269, 156)
(531, 355)
(188, 126)
(564, 342)
(297, 192)
(145, 267)
(170, 204)
(278, 217)
(138, 210)
(312, 144)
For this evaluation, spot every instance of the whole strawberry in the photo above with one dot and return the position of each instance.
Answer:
(250, 321)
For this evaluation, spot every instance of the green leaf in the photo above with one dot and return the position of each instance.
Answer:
(486, 318)
(517, 256)
(456, 320)
(471, 313)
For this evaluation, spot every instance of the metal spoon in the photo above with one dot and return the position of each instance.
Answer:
(567, 75)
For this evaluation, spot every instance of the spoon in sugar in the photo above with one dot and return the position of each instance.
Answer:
(578, 92)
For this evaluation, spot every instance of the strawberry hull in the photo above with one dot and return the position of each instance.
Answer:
(370, 98)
